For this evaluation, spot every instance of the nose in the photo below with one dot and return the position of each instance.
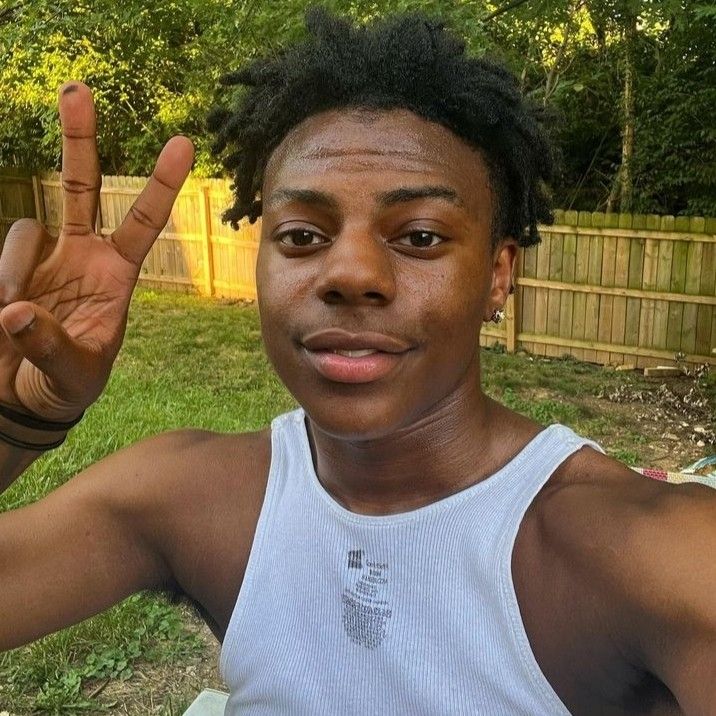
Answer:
(357, 269)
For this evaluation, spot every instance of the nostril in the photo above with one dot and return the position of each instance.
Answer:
(374, 295)
(333, 296)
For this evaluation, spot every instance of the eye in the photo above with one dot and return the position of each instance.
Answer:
(420, 240)
(299, 238)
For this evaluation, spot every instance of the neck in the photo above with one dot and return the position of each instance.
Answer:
(459, 443)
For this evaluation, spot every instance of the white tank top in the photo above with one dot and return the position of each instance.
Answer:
(412, 614)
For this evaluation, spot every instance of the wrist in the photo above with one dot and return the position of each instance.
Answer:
(27, 432)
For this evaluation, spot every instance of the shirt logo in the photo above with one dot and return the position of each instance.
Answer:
(366, 608)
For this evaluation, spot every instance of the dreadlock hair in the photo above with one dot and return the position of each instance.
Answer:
(405, 62)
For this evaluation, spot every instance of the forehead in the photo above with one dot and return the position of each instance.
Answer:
(377, 147)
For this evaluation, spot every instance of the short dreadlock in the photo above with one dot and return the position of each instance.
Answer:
(407, 62)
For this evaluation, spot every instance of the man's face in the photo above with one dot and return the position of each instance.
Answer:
(375, 268)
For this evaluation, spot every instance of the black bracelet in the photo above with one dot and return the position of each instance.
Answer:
(31, 446)
(28, 421)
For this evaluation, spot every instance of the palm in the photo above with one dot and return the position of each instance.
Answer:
(86, 282)
(87, 289)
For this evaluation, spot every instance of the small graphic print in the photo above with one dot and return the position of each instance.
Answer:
(366, 611)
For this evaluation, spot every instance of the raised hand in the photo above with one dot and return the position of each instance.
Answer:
(65, 302)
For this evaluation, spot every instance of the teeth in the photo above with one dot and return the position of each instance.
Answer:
(356, 354)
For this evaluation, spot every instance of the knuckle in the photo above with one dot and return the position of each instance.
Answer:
(71, 228)
(142, 216)
(24, 229)
(76, 186)
(11, 290)
(46, 349)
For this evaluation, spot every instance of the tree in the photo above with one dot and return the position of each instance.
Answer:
(627, 84)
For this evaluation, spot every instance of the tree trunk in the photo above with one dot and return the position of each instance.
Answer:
(614, 191)
(626, 180)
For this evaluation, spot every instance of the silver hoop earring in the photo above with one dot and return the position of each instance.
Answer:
(498, 315)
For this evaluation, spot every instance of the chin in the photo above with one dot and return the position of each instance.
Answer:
(356, 418)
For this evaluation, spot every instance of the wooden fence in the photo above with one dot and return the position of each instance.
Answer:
(605, 288)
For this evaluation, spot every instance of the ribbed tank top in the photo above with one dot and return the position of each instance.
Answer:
(412, 613)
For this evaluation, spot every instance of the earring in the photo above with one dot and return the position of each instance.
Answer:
(498, 315)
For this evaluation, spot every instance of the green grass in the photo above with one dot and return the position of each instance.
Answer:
(185, 362)
(189, 361)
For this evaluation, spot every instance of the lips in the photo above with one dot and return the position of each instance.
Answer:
(346, 357)
(330, 339)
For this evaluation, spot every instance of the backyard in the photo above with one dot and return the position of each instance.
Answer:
(198, 362)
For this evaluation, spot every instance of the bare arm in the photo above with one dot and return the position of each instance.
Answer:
(674, 589)
(90, 543)
(14, 462)
(175, 512)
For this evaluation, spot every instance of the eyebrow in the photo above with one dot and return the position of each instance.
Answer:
(385, 199)
(405, 194)
(304, 196)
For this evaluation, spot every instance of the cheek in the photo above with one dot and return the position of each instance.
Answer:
(278, 289)
(272, 290)
(452, 304)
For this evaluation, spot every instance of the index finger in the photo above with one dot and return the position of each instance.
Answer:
(81, 178)
(150, 212)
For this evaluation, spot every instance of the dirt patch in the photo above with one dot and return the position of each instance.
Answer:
(668, 445)
(678, 415)
(167, 690)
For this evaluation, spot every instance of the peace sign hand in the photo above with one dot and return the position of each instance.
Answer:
(65, 303)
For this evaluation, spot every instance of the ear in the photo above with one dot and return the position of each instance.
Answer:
(503, 268)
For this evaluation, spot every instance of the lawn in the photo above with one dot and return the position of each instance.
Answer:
(189, 361)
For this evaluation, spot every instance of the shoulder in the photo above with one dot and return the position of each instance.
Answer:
(167, 488)
(193, 498)
(170, 465)
(648, 549)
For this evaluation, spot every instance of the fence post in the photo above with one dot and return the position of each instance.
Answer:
(512, 307)
(205, 212)
(39, 199)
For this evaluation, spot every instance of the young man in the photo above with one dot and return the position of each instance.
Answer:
(402, 544)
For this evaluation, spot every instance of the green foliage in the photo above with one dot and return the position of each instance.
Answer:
(60, 674)
(154, 68)
(133, 55)
(628, 457)
(676, 148)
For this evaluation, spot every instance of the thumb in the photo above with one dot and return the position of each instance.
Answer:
(39, 337)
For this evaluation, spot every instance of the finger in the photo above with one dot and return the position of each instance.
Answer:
(150, 212)
(38, 336)
(23, 250)
(81, 178)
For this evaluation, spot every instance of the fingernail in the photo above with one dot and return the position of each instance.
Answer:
(19, 320)
(69, 89)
